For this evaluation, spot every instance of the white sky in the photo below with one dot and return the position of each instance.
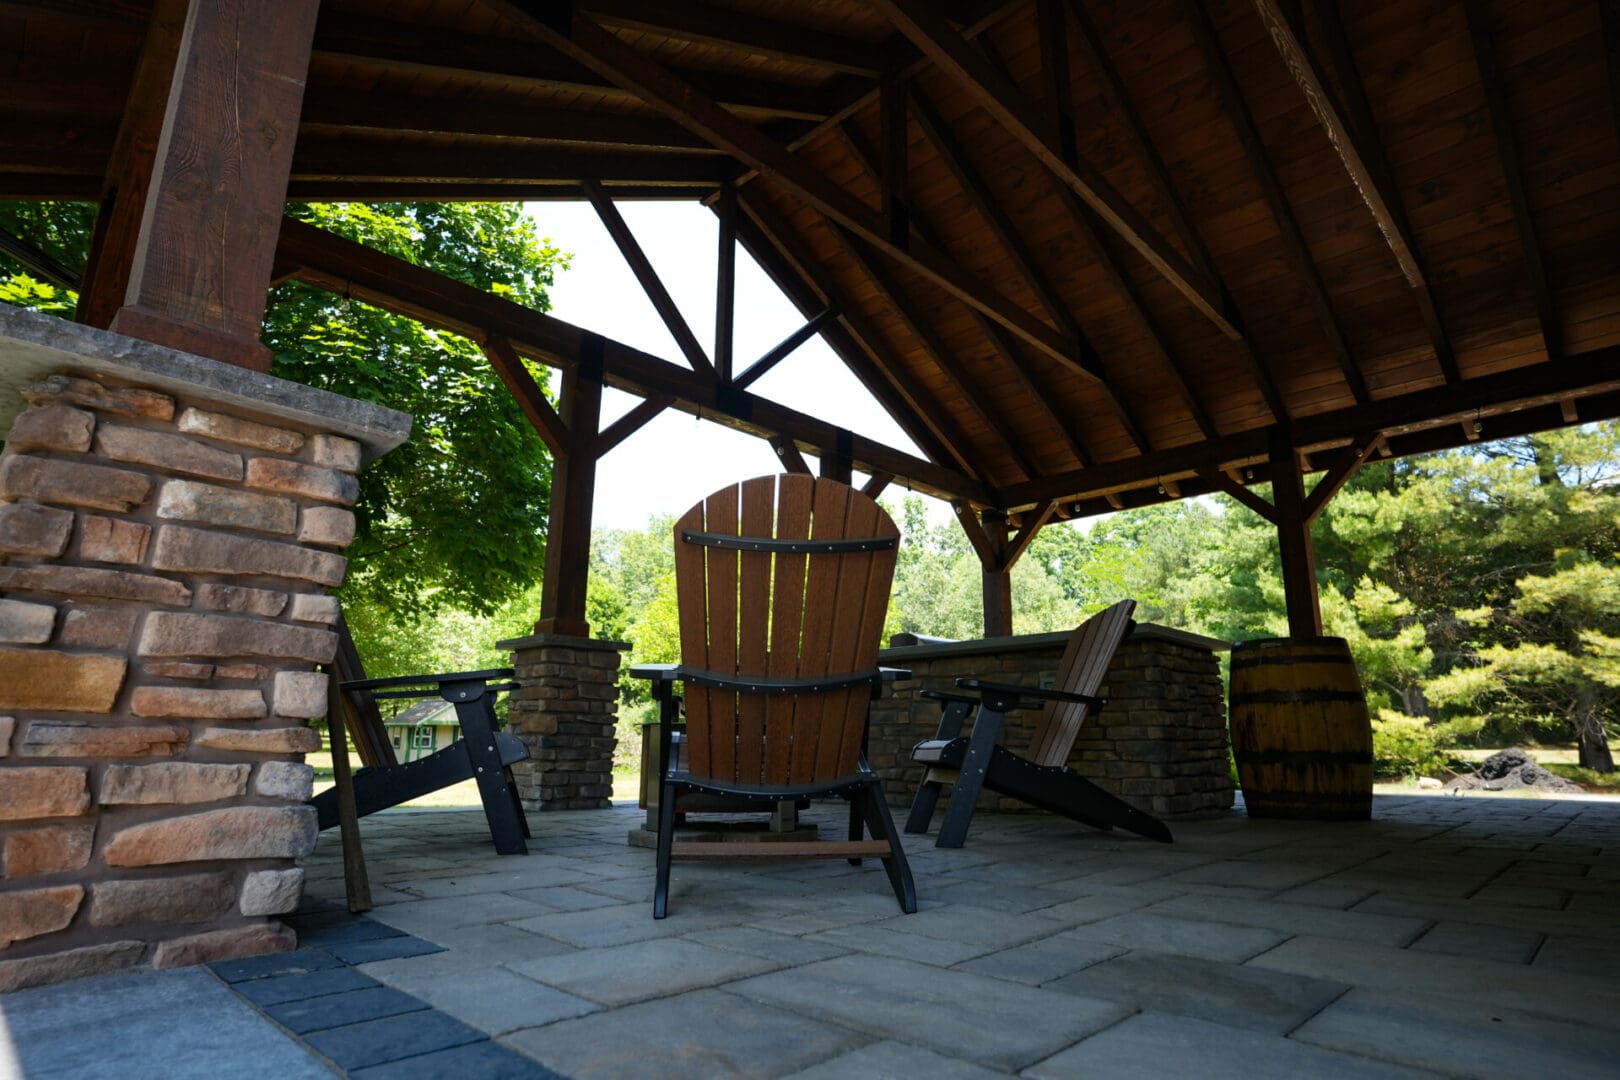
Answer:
(676, 459)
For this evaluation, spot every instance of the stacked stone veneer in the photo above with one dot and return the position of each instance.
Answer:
(162, 608)
(565, 711)
(1160, 744)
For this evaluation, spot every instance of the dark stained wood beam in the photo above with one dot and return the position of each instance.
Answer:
(738, 30)
(858, 342)
(1336, 474)
(573, 495)
(967, 391)
(1354, 138)
(630, 423)
(1218, 480)
(530, 397)
(122, 206)
(1507, 152)
(1609, 14)
(352, 160)
(1300, 594)
(1236, 111)
(399, 46)
(37, 262)
(784, 348)
(876, 484)
(725, 282)
(956, 57)
(647, 277)
(893, 155)
(978, 539)
(200, 265)
(999, 339)
(1410, 422)
(789, 455)
(396, 113)
(600, 50)
(339, 265)
(1030, 525)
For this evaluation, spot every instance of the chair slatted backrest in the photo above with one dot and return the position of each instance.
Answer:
(780, 615)
(1085, 661)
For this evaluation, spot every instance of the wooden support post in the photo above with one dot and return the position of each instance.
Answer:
(837, 461)
(725, 283)
(998, 611)
(356, 883)
(1294, 539)
(200, 265)
(573, 490)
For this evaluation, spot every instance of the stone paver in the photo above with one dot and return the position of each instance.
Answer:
(702, 1035)
(1149, 1046)
(1035, 946)
(956, 1013)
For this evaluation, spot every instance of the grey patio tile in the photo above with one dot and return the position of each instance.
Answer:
(1189, 937)
(339, 928)
(1503, 944)
(959, 923)
(1294, 919)
(297, 962)
(391, 1038)
(280, 988)
(1530, 896)
(621, 889)
(702, 1035)
(1150, 1046)
(1486, 982)
(484, 1060)
(1596, 923)
(1258, 873)
(1579, 956)
(423, 916)
(643, 969)
(565, 897)
(1460, 1038)
(783, 948)
(1228, 994)
(595, 928)
(1091, 906)
(491, 999)
(994, 896)
(996, 1023)
(392, 948)
(335, 1010)
(173, 1025)
(1041, 961)
(895, 1061)
(492, 942)
(1319, 894)
(885, 939)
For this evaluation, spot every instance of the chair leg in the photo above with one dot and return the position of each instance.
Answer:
(970, 779)
(922, 807)
(875, 809)
(517, 804)
(666, 841)
(856, 823)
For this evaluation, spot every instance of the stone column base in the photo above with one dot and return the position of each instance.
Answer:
(565, 711)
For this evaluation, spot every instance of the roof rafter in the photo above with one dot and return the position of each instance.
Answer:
(1507, 151)
(661, 88)
(956, 57)
(707, 24)
(1236, 111)
(1355, 140)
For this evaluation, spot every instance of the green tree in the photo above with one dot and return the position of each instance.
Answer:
(455, 518)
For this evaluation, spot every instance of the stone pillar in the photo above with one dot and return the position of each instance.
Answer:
(564, 712)
(169, 528)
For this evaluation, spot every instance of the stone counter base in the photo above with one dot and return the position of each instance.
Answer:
(1160, 744)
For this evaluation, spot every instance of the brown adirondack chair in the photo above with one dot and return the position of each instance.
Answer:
(782, 584)
(1038, 776)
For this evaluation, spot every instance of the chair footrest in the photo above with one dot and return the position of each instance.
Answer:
(814, 849)
(930, 751)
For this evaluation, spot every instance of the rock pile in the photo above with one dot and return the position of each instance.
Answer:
(1511, 770)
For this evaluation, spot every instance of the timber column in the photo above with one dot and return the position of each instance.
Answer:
(170, 530)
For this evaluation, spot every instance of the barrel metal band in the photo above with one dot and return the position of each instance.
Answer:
(790, 547)
(747, 684)
(1299, 697)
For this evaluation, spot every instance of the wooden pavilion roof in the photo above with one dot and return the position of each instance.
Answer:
(1085, 252)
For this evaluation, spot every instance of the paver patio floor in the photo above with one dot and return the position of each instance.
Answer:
(1459, 937)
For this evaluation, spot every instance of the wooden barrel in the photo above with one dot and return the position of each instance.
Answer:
(1300, 730)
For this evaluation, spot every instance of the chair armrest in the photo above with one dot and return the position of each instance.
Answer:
(894, 674)
(427, 686)
(946, 695)
(1014, 690)
(655, 672)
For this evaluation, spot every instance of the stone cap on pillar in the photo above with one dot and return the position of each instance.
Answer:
(539, 641)
(33, 346)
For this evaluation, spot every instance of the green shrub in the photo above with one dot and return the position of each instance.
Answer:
(1412, 746)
